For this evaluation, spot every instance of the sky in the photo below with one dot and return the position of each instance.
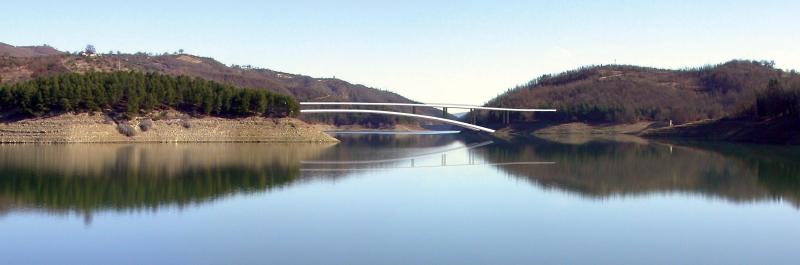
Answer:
(430, 51)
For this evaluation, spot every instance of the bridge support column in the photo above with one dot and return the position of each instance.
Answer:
(474, 116)
(444, 112)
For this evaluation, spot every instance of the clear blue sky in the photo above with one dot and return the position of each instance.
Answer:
(443, 51)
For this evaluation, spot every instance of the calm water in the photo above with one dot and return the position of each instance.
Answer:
(410, 199)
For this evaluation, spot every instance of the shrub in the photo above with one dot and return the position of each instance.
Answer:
(146, 124)
(126, 129)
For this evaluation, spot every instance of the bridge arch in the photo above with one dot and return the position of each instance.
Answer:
(448, 121)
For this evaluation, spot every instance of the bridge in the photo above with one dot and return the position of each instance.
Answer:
(413, 114)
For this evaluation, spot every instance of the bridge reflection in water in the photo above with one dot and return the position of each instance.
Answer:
(412, 159)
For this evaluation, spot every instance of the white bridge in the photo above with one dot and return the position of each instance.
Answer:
(413, 106)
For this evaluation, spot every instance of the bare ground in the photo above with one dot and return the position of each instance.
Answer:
(98, 128)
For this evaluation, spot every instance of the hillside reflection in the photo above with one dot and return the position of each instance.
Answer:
(602, 168)
(87, 178)
(84, 179)
(130, 177)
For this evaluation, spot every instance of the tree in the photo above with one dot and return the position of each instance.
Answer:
(90, 49)
(180, 51)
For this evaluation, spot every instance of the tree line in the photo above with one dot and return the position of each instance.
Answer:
(136, 93)
(129, 189)
(776, 101)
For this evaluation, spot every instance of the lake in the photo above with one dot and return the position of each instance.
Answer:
(404, 199)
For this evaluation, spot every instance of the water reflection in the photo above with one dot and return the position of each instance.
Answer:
(83, 179)
(399, 159)
(88, 178)
(604, 167)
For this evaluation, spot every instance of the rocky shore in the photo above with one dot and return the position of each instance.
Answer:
(98, 128)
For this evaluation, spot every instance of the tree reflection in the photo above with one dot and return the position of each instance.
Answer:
(89, 178)
(601, 168)
(65, 179)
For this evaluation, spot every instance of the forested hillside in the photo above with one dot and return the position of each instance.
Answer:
(14, 68)
(624, 94)
(135, 93)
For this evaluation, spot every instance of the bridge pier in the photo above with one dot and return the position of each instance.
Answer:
(474, 114)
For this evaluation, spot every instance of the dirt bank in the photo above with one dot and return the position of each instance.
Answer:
(98, 128)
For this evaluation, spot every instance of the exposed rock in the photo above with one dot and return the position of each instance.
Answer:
(96, 128)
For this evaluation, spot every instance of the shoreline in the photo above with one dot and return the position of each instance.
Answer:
(97, 128)
(782, 131)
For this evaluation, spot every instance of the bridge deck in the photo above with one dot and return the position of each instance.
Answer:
(434, 105)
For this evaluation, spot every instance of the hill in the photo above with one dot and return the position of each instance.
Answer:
(27, 51)
(15, 69)
(627, 94)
